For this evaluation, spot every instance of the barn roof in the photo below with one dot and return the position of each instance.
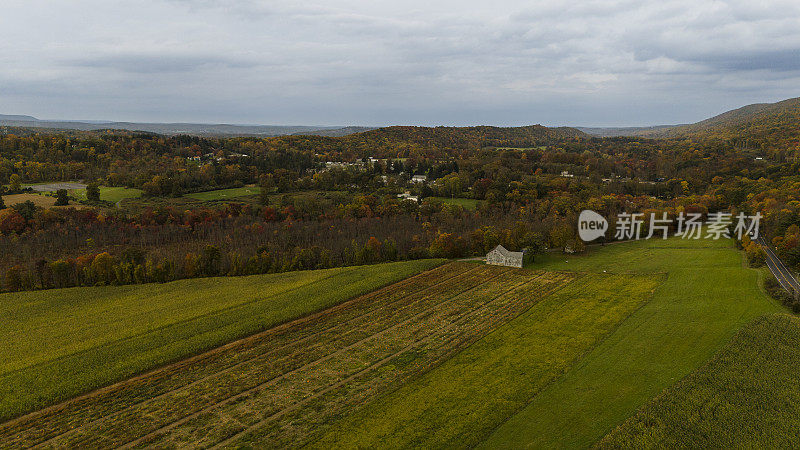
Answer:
(505, 252)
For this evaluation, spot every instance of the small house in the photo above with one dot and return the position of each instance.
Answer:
(500, 256)
(419, 178)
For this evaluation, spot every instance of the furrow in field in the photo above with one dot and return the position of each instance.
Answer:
(298, 424)
(69, 416)
(384, 324)
(172, 407)
(432, 338)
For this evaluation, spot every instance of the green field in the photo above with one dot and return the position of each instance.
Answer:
(225, 194)
(55, 344)
(706, 297)
(466, 203)
(462, 401)
(745, 397)
(109, 194)
(281, 387)
(572, 395)
(557, 355)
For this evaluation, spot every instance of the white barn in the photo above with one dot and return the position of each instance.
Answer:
(499, 256)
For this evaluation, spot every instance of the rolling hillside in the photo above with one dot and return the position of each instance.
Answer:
(555, 378)
(169, 129)
(61, 342)
(468, 137)
(552, 356)
(760, 125)
(746, 396)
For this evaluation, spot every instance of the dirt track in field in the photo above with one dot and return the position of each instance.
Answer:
(280, 387)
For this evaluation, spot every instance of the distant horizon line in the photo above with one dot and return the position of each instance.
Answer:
(232, 124)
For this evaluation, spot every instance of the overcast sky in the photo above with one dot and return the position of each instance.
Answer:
(369, 62)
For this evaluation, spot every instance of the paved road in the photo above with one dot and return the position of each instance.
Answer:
(781, 272)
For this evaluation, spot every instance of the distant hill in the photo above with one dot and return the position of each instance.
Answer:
(13, 117)
(626, 131)
(170, 129)
(471, 137)
(775, 125)
(335, 132)
(771, 125)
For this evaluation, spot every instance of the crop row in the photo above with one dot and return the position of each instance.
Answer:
(69, 416)
(287, 412)
(301, 424)
(181, 406)
(282, 350)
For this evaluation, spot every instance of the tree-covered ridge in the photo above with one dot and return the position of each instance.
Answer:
(333, 201)
(764, 126)
(468, 137)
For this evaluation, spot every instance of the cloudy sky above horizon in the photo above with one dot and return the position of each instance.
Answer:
(340, 62)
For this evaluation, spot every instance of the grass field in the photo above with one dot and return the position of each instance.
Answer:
(466, 203)
(39, 200)
(563, 377)
(55, 344)
(280, 387)
(462, 401)
(225, 194)
(109, 194)
(557, 355)
(318, 201)
(745, 397)
(706, 297)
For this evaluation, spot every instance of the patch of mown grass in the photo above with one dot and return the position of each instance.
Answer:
(110, 194)
(706, 297)
(746, 396)
(460, 402)
(56, 344)
(225, 194)
(466, 203)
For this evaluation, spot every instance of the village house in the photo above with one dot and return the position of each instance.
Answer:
(419, 178)
(500, 256)
(407, 196)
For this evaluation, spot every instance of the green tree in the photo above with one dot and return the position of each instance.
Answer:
(2, 203)
(103, 268)
(266, 185)
(63, 273)
(26, 209)
(93, 192)
(62, 199)
(15, 183)
(14, 278)
(209, 261)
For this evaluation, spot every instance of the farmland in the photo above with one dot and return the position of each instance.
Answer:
(706, 297)
(40, 200)
(109, 194)
(590, 354)
(282, 386)
(459, 403)
(225, 194)
(59, 343)
(744, 397)
(463, 354)
(466, 203)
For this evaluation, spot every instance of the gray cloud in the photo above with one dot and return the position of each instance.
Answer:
(151, 64)
(623, 62)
